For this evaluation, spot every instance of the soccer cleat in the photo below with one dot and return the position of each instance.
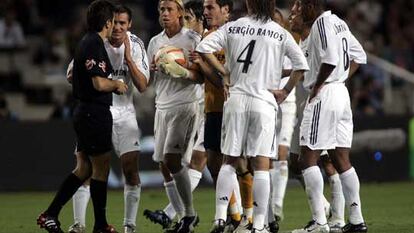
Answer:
(358, 228)
(218, 226)
(107, 229)
(231, 225)
(245, 226)
(313, 227)
(159, 217)
(335, 226)
(49, 223)
(173, 228)
(188, 223)
(77, 228)
(129, 229)
(273, 227)
(264, 230)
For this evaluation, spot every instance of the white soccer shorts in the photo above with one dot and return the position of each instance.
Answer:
(327, 119)
(173, 128)
(249, 127)
(125, 131)
(288, 121)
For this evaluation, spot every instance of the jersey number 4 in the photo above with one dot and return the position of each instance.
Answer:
(247, 60)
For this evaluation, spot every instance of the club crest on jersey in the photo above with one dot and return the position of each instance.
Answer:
(102, 65)
(90, 63)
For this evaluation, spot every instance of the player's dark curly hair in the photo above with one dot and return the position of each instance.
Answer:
(228, 3)
(196, 7)
(99, 12)
(120, 8)
(262, 10)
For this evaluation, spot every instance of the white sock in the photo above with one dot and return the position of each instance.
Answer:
(175, 201)
(182, 181)
(350, 186)
(238, 196)
(261, 194)
(338, 200)
(270, 216)
(314, 189)
(80, 203)
(195, 177)
(279, 181)
(226, 181)
(132, 195)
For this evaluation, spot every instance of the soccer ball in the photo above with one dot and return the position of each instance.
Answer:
(167, 54)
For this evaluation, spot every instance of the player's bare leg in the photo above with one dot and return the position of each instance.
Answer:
(214, 162)
(132, 189)
(350, 186)
(336, 219)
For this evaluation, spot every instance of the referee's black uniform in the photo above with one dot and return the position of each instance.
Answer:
(92, 118)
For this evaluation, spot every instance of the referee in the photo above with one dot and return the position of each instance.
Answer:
(92, 88)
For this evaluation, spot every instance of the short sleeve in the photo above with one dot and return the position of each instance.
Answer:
(214, 42)
(140, 55)
(96, 60)
(356, 52)
(325, 39)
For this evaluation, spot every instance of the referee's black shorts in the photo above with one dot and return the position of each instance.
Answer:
(93, 127)
(212, 131)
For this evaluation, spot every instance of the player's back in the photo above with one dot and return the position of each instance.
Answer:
(255, 51)
(330, 42)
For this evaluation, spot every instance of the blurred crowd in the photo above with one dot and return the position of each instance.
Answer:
(46, 33)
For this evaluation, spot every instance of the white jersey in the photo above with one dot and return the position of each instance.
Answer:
(254, 55)
(172, 92)
(331, 42)
(121, 70)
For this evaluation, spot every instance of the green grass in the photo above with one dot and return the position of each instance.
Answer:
(387, 208)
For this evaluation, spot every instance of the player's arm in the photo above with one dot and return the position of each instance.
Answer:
(207, 70)
(106, 85)
(298, 64)
(357, 55)
(138, 78)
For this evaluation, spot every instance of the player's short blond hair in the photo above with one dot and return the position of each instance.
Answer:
(180, 5)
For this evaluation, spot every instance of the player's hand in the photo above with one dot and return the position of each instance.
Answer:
(280, 95)
(121, 87)
(314, 92)
(174, 70)
(226, 87)
(195, 57)
(127, 52)
(153, 66)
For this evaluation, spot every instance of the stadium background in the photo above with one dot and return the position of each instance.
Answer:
(36, 136)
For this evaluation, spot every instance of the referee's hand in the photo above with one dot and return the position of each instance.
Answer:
(121, 87)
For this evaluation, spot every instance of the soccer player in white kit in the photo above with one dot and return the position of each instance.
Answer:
(255, 47)
(130, 63)
(176, 107)
(327, 118)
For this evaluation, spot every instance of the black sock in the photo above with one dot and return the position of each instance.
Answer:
(64, 194)
(98, 195)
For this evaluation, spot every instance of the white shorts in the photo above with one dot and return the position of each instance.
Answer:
(249, 127)
(199, 140)
(327, 120)
(125, 131)
(173, 128)
(288, 121)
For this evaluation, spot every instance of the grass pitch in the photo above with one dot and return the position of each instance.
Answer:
(387, 208)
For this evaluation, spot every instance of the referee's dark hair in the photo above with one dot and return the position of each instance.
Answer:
(228, 3)
(262, 10)
(120, 8)
(99, 12)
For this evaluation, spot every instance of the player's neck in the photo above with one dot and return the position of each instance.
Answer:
(173, 30)
(305, 34)
(115, 43)
(103, 34)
